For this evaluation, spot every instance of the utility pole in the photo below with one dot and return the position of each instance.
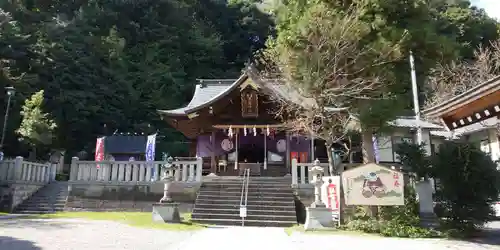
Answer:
(10, 92)
(416, 105)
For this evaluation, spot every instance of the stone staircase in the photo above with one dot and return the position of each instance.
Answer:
(270, 202)
(48, 199)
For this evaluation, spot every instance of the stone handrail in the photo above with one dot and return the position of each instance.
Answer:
(21, 170)
(134, 171)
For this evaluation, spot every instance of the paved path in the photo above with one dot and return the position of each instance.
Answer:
(74, 234)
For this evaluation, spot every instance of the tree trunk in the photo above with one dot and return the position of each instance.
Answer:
(331, 168)
(369, 157)
(367, 147)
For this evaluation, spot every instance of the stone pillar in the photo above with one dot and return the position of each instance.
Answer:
(73, 172)
(18, 168)
(29, 169)
(494, 144)
(199, 168)
(424, 192)
(43, 174)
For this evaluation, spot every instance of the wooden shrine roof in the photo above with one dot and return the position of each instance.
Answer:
(209, 91)
(475, 105)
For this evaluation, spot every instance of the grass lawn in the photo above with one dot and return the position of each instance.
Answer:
(2, 213)
(138, 219)
(331, 231)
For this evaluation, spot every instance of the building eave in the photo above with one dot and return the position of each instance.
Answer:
(465, 98)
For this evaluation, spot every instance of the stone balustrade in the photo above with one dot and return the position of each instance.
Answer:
(21, 170)
(133, 171)
(300, 171)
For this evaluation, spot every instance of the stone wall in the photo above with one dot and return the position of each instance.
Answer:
(127, 197)
(14, 193)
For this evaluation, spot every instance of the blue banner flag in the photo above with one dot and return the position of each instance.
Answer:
(150, 152)
(375, 149)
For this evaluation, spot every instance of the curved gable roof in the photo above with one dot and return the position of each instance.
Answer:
(205, 94)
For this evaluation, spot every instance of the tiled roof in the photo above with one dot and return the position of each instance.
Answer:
(208, 91)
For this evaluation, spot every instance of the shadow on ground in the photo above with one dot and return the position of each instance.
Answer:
(43, 224)
(489, 236)
(10, 243)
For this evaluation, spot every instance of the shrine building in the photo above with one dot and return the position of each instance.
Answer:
(232, 126)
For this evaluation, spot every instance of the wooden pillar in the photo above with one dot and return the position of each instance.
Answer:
(312, 147)
(213, 166)
(288, 159)
(236, 158)
(265, 150)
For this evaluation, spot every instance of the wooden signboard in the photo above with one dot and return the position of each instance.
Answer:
(373, 185)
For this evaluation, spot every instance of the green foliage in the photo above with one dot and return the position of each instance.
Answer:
(37, 127)
(109, 65)
(414, 159)
(395, 221)
(467, 184)
(407, 214)
(62, 177)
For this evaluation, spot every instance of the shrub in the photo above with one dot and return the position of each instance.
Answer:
(467, 185)
(363, 225)
(395, 221)
(62, 177)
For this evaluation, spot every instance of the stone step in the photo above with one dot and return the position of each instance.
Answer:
(236, 210)
(250, 185)
(287, 207)
(233, 193)
(250, 189)
(40, 209)
(235, 216)
(37, 212)
(43, 199)
(250, 197)
(280, 207)
(237, 201)
(250, 223)
(41, 205)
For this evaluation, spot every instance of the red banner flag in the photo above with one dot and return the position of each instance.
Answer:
(99, 150)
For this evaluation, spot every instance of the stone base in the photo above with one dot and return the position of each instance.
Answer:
(429, 220)
(319, 218)
(166, 212)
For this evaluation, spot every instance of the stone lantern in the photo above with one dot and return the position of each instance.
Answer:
(167, 210)
(167, 179)
(318, 216)
(317, 180)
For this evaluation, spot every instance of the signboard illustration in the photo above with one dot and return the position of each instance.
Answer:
(373, 185)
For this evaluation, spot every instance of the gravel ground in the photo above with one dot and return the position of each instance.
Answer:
(75, 234)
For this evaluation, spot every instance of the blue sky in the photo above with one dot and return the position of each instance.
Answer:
(492, 7)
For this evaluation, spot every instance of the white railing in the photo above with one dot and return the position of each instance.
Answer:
(300, 171)
(134, 171)
(21, 170)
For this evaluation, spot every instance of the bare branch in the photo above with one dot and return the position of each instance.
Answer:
(327, 65)
(446, 81)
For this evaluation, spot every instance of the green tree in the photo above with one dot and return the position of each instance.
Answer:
(467, 184)
(327, 53)
(37, 128)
